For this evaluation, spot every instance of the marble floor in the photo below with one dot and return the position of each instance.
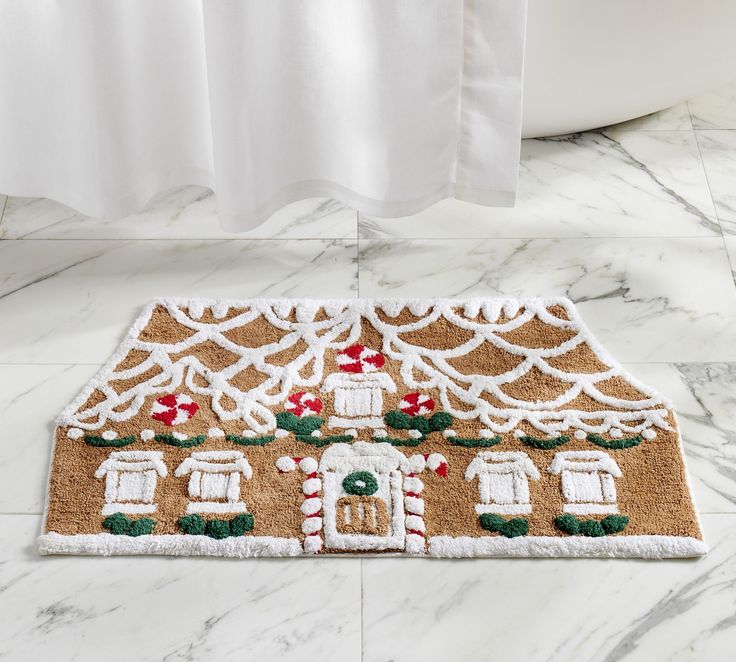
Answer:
(636, 223)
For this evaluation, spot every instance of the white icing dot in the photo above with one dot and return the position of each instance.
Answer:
(616, 433)
(219, 310)
(74, 433)
(215, 432)
(485, 433)
(308, 465)
(449, 433)
(196, 310)
(249, 433)
(179, 435)
(580, 434)
(109, 435)
(511, 309)
(285, 463)
(519, 433)
(281, 433)
(415, 434)
(316, 433)
(352, 432)
(649, 434)
(380, 433)
(312, 544)
(147, 435)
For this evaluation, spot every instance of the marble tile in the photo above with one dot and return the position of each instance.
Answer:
(605, 184)
(31, 396)
(718, 149)
(71, 301)
(704, 395)
(184, 213)
(715, 110)
(554, 610)
(151, 609)
(731, 250)
(663, 300)
(675, 118)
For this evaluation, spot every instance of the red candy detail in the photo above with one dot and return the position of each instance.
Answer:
(442, 470)
(303, 404)
(414, 404)
(359, 358)
(173, 409)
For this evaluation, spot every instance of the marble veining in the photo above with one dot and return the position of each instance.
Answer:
(74, 298)
(645, 299)
(636, 223)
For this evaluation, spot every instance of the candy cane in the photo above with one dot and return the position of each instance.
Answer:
(414, 503)
(312, 504)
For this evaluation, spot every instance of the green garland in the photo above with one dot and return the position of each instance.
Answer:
(480, 442)
(544, 444)
(171, 440)
(303, 426)
(121, 525)
(592, 528)
(318, 442)
(196, 525)
(101, 442)
(512, 528)
(398, 420)
(250, 441)
(615, 444)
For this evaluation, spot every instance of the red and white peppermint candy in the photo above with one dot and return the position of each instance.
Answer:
(360, 359)
(414, 404)
(174, 408)
(303, 404)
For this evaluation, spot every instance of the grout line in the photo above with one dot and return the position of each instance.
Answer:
(707, 181)
(558, 238)
(715, 207)
(170, 239)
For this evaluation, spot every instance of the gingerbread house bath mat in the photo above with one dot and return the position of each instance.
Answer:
(423, 427)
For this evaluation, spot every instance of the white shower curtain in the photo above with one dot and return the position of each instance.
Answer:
(387, 105)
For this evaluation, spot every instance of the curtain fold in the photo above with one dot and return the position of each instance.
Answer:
(388, 106)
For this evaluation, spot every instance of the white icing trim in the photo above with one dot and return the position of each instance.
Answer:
(216, 507)
(584, 461)
(651, 547)
(647, 547)
(377, 457)
(420, 367)
(207, 461)
(590, 508)
(106, 544)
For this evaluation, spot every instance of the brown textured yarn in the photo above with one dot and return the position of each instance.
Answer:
(652, 492)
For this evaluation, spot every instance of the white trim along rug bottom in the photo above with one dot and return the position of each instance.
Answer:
(441, 428)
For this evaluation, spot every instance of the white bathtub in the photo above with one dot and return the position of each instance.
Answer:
(590, 63)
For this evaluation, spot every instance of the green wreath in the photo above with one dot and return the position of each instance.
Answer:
(360, 483)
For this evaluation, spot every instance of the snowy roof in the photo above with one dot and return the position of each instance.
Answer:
(311, 328)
